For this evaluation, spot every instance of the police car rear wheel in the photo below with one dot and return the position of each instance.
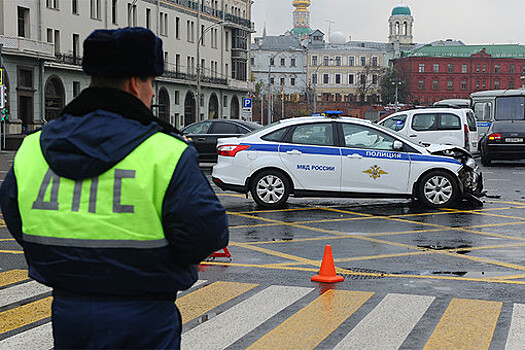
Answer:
(270, 189)
(438, 189)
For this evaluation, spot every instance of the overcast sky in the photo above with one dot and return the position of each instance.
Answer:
(472, 21)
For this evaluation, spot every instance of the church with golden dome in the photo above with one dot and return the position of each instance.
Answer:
(301, 18)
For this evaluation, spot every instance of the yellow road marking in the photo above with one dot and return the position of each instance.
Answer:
(276, 253)
(26, 314)
(12, 251)
(7, 239)
(365, 238)
(466, 324)
(230, 195)
(12, 276)
(203, 300)
(314, 322)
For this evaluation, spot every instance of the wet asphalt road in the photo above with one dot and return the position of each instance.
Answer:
(379, 246)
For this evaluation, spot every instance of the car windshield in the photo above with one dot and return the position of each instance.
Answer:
(508, 127)
(399, 136)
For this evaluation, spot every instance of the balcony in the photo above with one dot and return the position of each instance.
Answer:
(193, 77)
(27, 47)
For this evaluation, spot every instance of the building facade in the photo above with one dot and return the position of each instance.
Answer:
(206, 50)
(436, 72)
(342, 70)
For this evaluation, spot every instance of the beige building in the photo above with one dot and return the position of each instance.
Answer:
(342, 70)
(42, 54)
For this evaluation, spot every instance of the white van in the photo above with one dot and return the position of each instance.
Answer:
(449, 126)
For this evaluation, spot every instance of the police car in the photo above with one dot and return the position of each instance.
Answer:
(327, 156)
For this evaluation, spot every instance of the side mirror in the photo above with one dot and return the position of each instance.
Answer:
(398, 145)
(481, 135)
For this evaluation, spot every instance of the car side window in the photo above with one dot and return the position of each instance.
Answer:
(448, 121)
(424, 122)
(275, 136)
(224, 128)
(396, 123)
(198, 128)
(313, 134)
(359, 136)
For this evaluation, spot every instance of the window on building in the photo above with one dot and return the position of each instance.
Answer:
(421, 68)
(351, 61)
(511, 68)
(511, 84)
(292, 62)
(338, 78)
(225, 101)
(363, 61)
(314, 78)
(52, 4)
(362, 79)
(464, 85)
(76, 47)
(177, 97)
(421, 85)
(464, 68)
(283, 62)
(326, 78)
(338, 61)
(252, 61)
(132, 15)
(202, 36)
(375, 61)
(350, 79)
(272, 61)
(326, 59)
(496, 85)
(148, 18)
(282, 81)
(177, 27)
(76, 88)
(374, 79)
(272, 81)
(177, 62)
(292, 81)
(314, 60)
(23, 22)
(50, 35)
(57, 42)
(497, 68)
(450, 85)
(163, 24)
(74, 7)
(95, 9)
(114, 11)
(227, 41)
(484, 68)
(435, 68)
(477, 68)
(484, 84)
(435, 85)
(450, 68)
(477, 85)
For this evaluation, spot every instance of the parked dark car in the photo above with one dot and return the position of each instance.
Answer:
(204, 134)
(505, 140)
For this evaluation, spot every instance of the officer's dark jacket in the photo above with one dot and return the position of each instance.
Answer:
(96, 131)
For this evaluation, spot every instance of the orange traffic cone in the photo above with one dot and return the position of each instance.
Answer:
(327, 272)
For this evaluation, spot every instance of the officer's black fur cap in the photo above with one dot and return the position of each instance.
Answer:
(123, 53)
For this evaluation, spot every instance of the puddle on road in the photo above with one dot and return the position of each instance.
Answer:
(461, 248)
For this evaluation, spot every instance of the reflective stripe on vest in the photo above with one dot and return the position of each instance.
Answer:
(121, 208)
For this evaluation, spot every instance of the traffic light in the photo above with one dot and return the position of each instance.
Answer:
(4, 115)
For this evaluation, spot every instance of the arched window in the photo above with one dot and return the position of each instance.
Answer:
(405, 28)
(397, 28)
(54, 97)
(164, 105)
(213, 107)
(189, 108)
(234, 108)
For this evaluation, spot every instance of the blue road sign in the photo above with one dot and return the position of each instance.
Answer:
(246, 102)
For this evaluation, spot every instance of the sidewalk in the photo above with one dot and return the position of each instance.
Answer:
(6, 160)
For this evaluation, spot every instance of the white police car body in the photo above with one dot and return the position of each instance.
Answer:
(342, 157)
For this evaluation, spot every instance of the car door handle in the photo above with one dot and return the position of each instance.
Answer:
(294, 152)
(413, 135)
(355, 156)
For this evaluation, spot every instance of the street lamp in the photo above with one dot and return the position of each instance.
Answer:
(323, 63)
(199, 68)
(396, 82)
(272, 57)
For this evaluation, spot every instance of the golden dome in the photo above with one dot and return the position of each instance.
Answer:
(301, 3)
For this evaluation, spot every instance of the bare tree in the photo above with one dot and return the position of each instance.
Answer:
(368, 81)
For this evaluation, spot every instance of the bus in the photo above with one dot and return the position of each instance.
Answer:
(497, 105)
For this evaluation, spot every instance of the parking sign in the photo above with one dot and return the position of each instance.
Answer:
(247, 103)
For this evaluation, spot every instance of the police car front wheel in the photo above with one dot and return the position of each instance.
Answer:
(270, 189)
(438, 189)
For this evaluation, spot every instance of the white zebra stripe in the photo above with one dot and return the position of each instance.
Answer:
(38, 338)
(231, 325)
(387, 326)
(21, 292)
(516, 337)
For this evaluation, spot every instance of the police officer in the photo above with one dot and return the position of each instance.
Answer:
(110, 205)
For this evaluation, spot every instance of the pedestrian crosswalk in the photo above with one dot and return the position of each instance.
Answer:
(221, 314)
